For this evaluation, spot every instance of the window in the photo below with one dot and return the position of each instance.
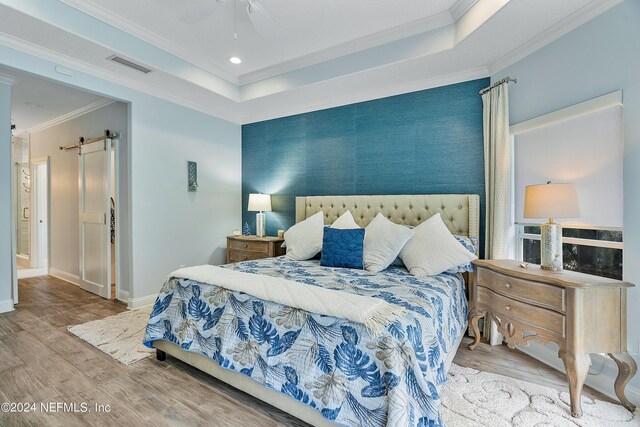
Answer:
(580, 144)
(586, 250)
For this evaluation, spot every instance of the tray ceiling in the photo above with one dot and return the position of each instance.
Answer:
(303, 28)
(326, 53)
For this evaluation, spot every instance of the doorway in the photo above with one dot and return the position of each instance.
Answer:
(66, 185)
(32, 234)
(40, 213)
(97, 197)
(23, 211)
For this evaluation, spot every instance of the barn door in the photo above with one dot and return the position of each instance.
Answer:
(95, 254)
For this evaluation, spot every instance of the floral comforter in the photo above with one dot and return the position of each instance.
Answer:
(332, 365)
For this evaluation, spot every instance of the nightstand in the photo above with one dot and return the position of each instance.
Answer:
(581, 313)
(245, 248)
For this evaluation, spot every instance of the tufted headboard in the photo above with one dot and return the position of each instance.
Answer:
(460, 212)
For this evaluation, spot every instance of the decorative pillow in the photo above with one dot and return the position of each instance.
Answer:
(345, 221)
(342, 248)
(433, 249)
(383, 241)
(304, 240)
(470, 244)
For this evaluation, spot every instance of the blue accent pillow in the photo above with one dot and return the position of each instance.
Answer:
(342, 248)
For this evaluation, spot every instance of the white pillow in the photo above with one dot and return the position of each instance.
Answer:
(433, 249)
(383, 241)
(304, 240)
(345, 222)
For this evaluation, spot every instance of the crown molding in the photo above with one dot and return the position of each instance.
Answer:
(7, 80)
(381, 92)
(46, 54)
(242, 112)
(66, 61)
(553, 33)
(123, 24)
(613, 99)
(96, 105)
(447, 17)
(391, 35)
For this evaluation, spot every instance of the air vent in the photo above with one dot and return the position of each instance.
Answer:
(123, 61)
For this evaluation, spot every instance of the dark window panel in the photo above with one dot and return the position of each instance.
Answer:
(531, 251)
(532, 229)
(608, 235)
(581, 233)
(605, 262)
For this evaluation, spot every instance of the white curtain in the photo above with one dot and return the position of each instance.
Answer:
(497, 175)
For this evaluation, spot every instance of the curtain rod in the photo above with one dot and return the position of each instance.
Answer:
(498, 83)
(82, 141)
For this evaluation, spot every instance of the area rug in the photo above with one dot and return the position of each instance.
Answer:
(470, 397)
(119, 336)
(476, 398)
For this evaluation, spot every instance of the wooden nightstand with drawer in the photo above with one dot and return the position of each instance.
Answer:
(581, 313)
(246, 248)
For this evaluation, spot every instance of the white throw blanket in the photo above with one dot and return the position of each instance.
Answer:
(374, 313)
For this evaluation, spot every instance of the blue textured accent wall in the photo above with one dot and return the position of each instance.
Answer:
(425, 142)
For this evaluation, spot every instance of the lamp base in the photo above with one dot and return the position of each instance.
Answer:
(261, 224)
(551, 247)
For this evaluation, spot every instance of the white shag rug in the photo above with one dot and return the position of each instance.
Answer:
(119, 336)
(476, 398)
(470, 398)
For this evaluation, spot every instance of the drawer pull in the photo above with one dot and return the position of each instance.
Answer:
(508, 308)
(246, 246)
(507, 285)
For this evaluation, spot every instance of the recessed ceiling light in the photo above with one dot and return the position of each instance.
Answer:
(235, 60)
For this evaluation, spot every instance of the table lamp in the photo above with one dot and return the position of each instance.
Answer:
(551, 201)
(260, 203)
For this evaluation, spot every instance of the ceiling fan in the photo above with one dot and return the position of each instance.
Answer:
(199, 10)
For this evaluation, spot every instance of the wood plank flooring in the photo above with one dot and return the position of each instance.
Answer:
(40, 361)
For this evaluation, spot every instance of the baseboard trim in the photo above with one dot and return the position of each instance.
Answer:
(135, 303)
(601, 376)
(74, 279)
(6, 305)
(63, 275)
(33, 272)
(123, 296)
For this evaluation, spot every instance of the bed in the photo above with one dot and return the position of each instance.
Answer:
(321, 369)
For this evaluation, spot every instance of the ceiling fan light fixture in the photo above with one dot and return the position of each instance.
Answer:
(235, 60)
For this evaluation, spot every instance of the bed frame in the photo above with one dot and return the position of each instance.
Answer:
(461, 214)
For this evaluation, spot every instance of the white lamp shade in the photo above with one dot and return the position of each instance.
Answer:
(259, 203)
(551, 201)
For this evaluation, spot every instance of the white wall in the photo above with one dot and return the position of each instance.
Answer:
(597, 58)
(169, 227)
(63, 175)
(587, 151)
(6, 226)
(172, 227)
